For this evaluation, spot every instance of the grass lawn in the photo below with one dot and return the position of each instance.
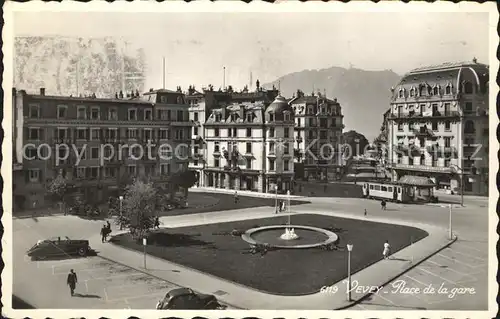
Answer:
(211, 249)
(220, 202)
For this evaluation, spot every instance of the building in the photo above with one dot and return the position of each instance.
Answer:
(197, 116)
(439, 126)
(109, 141)
(318, 136)
(249, 139)
(381, 141)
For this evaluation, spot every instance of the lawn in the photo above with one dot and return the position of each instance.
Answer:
(220, 202)
(212, 249)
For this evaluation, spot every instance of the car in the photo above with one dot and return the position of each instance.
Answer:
(58, 246)
(186, 298)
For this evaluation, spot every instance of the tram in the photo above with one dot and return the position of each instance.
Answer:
(389, 192)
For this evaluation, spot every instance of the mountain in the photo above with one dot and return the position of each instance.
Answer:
(363, 95)
(65, 66)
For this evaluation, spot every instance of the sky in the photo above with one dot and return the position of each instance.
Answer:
(197, 46)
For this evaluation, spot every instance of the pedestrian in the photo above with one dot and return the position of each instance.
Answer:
(157, 222)
(283, 206)
(236, 197)
(387, 250)
(383, 204)
(71, 281)
(366, 212)
(103, 233)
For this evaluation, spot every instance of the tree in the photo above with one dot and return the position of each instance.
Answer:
(140, 206)
(58, 189)
(183, 180)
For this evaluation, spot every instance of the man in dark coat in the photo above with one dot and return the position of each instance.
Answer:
(103, 233)
(71, 281)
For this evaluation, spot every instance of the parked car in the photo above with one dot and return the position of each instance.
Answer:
(185, 298)
(58, 246)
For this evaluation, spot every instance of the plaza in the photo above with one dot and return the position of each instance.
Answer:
(463, 264)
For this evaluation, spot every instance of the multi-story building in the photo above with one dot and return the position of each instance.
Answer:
(197, 116)
(439, 126)
(249, 142)
(318, 135)
(382, 140)
(109, 140)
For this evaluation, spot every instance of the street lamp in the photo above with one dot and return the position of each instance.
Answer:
(121, 213)
(356, 140)
(288, 199)
(276, 198)
(462, 180)
(450, 227)
(349, 249)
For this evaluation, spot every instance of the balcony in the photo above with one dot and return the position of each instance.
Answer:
(423, 168)
(423, 131)
(436, 115)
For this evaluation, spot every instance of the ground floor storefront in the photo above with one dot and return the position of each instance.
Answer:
(322, 172)
(248, 180)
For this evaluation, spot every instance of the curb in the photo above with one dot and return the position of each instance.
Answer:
(355, 302)
(155, 276)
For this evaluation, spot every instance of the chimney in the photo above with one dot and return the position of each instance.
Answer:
(121, 95)
(242, 111)
(151, 90)
(42, 91)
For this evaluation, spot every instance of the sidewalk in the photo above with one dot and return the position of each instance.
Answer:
(232, 293)
(241, 192)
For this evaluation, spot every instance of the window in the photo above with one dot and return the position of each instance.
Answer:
(271, 164)
(62, 111)
(271, 117)
(163, 134)
(216, 132)
(112, 114)
(468, 88)
(229, 131)
(434, 126)
(377, 187)
(400, 127)
(195, 116)
(271, 147)
(148, 115)
(80, 172)
(447, 162)
(435, 91)
(131, 170)
(468, 107)
(323, 135)
(218, 117)
(287, 132)
(311, 122)
(286, 165)
(447, 126)
(148, 134)
(287, 116)
(410, 160)
(81, 134)
(286, 150)
(94, 113)
(249, 148)
(216, 162)
(34, 111)
(389, 189)
(298, 122)
(164, 169)
(94, 153)
(179, 134)
(411, 126)
(94, 172)
(401, 93)
(249, 163)
(34, 133)
(412, 92)
(195, 131)
(132, 133)
(95, 134)
(447, 142)
(216, 147)
(81, 113)
(271, 132)
(250, 117)
(383, 188)
(132, 115)
(422, 159)
(109, 172)
(400, 158)
(180, 116)
(448, 89)
(34, 175)
(249, 132)
(234, 117)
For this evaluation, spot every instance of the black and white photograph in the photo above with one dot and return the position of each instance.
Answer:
(240, 157)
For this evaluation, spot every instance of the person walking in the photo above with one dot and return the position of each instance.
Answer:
(71, 281)
(383, 203)
(366, 212)
(387, 250)
(157, 222)
(236, 197)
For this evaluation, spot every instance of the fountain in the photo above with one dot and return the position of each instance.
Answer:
(289, 234)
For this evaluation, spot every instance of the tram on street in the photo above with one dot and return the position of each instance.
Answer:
(398, 192)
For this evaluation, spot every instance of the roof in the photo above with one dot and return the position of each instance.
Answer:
(89, 99)
(162, 91)
(279, 105)
(312, 99)
(416, 181)
(446, 65)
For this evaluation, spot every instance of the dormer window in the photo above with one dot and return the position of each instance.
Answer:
(435, 91)
(401, 93)
(448, 89)
(234, 117)
(310, 110)
(250, 117)
(218, 117)
(287, 116)
(271, 117)
(132, 115)
(62, 111)
(412, 92)
(163, 99)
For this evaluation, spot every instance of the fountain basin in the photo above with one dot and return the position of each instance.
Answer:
(309, 237)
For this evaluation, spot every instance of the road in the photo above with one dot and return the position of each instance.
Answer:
(107, 285)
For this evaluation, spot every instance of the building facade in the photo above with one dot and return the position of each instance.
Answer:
(318, 136)
(438, 126)
(249, 141)
(107, 141)
(197, 116)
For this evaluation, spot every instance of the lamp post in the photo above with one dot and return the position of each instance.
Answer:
(349, 249)
(462, 180)
(450, 227)
(356, 140)
(121, 212)
(288, 199)
(276, 198)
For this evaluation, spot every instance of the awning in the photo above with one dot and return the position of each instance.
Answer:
(416, 181)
